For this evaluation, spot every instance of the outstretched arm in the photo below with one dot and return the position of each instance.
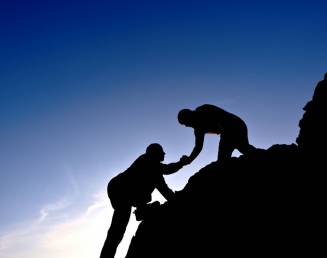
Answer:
(164, 189)
(199, 139)
(171, 168)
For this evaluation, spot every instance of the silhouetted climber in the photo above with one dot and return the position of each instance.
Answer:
(319, 95)
(312, 125)
(320, 92)
(134, 187)
(211, 119)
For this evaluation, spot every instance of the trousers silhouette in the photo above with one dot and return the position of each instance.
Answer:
(116, 231)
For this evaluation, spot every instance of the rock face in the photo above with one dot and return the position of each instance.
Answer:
(312, 136)
(269, 202)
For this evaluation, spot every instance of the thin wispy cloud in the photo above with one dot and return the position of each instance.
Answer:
(53, 207)
(67, 201)
(79, 236)
(69, 171)
(101, 201)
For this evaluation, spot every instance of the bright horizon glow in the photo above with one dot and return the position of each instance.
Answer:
(81, 236)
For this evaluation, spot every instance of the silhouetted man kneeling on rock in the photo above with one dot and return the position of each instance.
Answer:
(211, 119)
(134, 188)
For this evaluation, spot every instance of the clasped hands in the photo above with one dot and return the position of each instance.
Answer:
(185, 160)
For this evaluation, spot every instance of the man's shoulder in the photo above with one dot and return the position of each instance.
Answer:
(144, 162)
(140, 162)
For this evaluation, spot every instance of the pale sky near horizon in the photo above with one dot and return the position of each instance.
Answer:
(85, 86)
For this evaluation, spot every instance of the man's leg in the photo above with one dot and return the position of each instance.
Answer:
(116, 231)
(226, 148)
(245, 147)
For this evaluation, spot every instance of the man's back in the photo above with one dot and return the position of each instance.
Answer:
(213, 119)
(138, 181)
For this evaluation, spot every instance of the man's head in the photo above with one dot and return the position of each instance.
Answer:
(155, 151)
(185, 117)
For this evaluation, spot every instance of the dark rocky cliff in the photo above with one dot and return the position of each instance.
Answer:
(269, 202)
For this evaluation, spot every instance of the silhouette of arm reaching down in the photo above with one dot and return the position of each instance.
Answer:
(164, 189)
(199, 139)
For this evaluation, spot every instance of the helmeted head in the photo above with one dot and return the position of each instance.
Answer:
(155, 151)
(185, 117)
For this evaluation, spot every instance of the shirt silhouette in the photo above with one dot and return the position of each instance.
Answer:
(134, 187)
(211, 119)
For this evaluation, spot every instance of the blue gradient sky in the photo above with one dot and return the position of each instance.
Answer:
(85, 86)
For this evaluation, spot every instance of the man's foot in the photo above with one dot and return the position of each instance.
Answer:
(143, 212)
